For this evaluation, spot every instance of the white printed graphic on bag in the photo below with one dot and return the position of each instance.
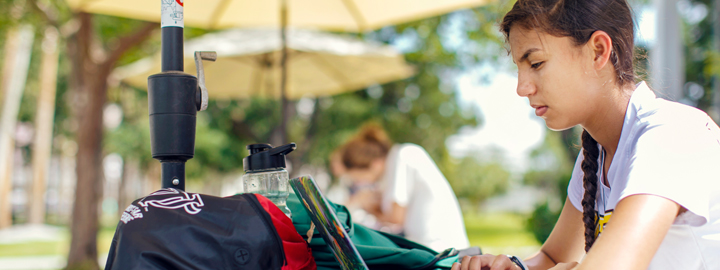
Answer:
(192, 203)
(131, 212)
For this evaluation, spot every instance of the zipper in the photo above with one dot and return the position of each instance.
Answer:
(268, 222)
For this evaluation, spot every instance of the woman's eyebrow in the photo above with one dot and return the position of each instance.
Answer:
(527, 54)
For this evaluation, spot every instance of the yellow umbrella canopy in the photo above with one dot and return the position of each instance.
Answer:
(319, 64)
(337, 15)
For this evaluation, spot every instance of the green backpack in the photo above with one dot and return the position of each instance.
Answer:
(379, 250)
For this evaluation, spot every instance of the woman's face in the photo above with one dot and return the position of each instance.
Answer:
(555, 75)
(368, 175)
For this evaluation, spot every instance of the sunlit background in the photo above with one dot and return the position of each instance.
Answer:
(507, 169)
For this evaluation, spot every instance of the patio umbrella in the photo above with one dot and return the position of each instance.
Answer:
(319, 64)
(337, 15)
(344, 15)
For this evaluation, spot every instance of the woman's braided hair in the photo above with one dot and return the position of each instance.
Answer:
(589, 166)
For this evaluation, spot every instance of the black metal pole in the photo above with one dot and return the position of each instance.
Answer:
(173, 102)
(172, 48)
(172, 173)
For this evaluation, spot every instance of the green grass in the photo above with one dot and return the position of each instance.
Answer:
(494, 232)
(54, 248)
(498, 230)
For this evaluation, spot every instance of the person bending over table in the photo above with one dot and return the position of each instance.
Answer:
(400, 184)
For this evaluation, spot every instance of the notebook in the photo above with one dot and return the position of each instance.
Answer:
(327, 223)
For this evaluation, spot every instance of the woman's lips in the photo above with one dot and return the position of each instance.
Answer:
(541, 110)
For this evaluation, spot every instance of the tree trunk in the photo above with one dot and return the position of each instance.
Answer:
(89, 80)
(42, 147)
(17, 61)
(90, 85)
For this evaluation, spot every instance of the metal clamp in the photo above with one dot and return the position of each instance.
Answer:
(202, 103)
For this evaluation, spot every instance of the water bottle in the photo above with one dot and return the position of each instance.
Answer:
(265, 173)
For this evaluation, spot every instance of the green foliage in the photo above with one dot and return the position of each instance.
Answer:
(422, 109)
(701, 51)
(542, 221)
(476, 181)
(549, 162)
(551, 171)
(543, 218)
(426, 119)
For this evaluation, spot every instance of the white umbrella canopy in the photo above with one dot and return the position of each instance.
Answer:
(319, 64)
(337, 15)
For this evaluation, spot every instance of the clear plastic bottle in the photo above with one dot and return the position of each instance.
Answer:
(271, 184)
(265, 173)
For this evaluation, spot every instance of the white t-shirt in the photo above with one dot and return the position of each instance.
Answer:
(673, 151)
(433, 216)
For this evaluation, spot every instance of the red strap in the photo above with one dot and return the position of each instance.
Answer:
(297, 253)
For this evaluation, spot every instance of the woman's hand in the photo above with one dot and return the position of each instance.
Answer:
(565, 266)
(369, 200)
(486, 262)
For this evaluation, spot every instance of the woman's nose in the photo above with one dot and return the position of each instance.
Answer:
(525, 87)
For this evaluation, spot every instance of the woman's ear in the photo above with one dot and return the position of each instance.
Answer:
(601, 45)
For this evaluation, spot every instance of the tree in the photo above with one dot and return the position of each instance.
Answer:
(89, 79)
(422, 109)
(701, 47)
(552, 164)
(91, 64)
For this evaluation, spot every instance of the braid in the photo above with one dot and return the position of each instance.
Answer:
(590, 168)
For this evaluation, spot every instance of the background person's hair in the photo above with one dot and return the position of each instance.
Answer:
(579, 20)
(368, 145)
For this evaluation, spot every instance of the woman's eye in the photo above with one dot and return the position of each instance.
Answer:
(536, 65)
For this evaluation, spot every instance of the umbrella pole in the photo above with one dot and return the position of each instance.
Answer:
(283, 72)
(172, 101)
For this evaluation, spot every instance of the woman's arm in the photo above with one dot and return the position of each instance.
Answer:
(634, 233)
(395, 216)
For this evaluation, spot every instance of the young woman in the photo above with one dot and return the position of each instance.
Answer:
(644, 192)
(400, 185)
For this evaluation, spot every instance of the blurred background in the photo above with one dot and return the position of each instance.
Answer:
(74, 130)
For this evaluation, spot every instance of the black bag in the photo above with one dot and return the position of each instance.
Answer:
(173, 229)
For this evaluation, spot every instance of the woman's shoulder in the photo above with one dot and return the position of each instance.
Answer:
(410, 152)
(409, 148)
(667, 119)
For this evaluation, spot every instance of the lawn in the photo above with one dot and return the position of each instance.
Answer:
(493, 232)
(54, 248)
(501, 233)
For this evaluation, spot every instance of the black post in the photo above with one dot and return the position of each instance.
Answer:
(173, 102)
(172, 48)
(172, 172)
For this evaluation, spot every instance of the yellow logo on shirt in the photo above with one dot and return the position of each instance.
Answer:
(601, 221)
